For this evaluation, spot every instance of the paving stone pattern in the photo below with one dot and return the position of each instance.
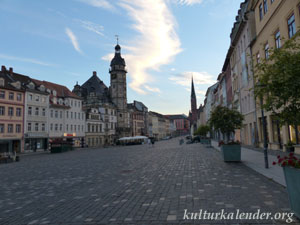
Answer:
(133, 185)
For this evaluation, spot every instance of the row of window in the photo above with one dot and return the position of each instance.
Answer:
(10, 128)
(72, 115)
(10, 111)
(71, 128)
(263, 8)
(277, 38)
(11, 96)
(36, 111)
(36, 127)
(96, 128)
(36, 98)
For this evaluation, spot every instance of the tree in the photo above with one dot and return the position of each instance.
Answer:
(202, 130)
(279, 82)
(226, 120)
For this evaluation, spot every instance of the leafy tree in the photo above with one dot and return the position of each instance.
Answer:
(279, 82)
(202, 130)
(226, 120)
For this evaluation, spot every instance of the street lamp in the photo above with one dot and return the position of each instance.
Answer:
(264, 128)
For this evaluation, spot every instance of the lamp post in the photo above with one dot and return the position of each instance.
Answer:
(264, 129)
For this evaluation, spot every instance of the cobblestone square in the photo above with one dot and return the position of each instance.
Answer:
(134, 185)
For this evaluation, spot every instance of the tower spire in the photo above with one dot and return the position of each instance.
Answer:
(193, 95)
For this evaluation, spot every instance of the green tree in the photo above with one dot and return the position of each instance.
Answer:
(226, 120)
(202, 130)
(279, 82)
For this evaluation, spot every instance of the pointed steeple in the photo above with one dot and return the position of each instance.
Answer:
(193, 95)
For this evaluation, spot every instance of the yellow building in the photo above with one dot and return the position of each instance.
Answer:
(11, 114)
(275, 21)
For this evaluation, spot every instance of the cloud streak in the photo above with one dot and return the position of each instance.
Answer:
(28, 60)
(73, 40)
(96, 28)
(189, 2)
(98, 3)
(155, 45)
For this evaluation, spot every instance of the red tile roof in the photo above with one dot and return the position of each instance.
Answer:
(61, 91)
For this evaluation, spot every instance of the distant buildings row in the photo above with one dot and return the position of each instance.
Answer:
(34, 113)
(260, 25)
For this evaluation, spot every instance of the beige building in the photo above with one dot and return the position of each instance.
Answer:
(275, 20)
(95, 126)
(11, 114)
(242, 34)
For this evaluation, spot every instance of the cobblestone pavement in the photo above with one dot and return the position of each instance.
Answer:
(134, 185)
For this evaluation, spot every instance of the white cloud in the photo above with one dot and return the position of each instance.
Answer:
(189, 2)
(199, 78)
(156, 43)
(96, 28)
(29, 60)
(98, 3)
(152, 89)
(73, 40)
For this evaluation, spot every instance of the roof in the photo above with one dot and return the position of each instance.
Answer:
(117, 60)
(177, 116)
(61, 91)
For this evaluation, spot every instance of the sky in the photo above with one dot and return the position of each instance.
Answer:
(164, 43)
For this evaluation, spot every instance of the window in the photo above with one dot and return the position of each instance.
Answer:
(106, 111)
(71, 115)
(67, 114)
(277, 39)
(265, 6)
(82, 128)
(56, 114)
(2, 110)
(19, 97)
(56, 127)
(36, 127)
(29, 110)
(36, 111)
(37, 98)
(67, 127)
(30, 97)
(2, 94)
(51, 113)
(51, 126)
(29, 126)
(71, 127)
(10, 128)
(267, 51)
(75, 103)
(74, 127)
(10, 111)
(18, 128)
(1, 128)
(75, 115)
(18, 112)
(78, 127)
(60, 114)
(44, 112)
(291, 26)
(1, 82)
(11, 96)
(60, 127)
(260, 12)
(43, 127)
(257, 58)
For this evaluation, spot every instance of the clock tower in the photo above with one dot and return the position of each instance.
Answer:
(118, 90)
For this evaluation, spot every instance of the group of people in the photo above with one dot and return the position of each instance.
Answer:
(151, 141)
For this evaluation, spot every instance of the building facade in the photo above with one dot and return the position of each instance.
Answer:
(95, 126)
(11, 113)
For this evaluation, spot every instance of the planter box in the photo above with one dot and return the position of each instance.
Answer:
(231, 153)
(292, 179)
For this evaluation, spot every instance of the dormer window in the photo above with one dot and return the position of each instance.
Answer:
(54, 93)
(60, 101)
(42, 88)
(1, 82)
(31, 85)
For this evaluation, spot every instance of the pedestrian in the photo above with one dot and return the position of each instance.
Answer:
(149, 141)
(152, 141)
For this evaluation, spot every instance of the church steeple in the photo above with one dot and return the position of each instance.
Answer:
(193, 104)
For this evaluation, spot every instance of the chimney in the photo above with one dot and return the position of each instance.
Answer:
(11, 70)
(3, 68)
(94, 73)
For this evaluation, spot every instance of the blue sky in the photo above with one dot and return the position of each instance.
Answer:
(164, 43)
